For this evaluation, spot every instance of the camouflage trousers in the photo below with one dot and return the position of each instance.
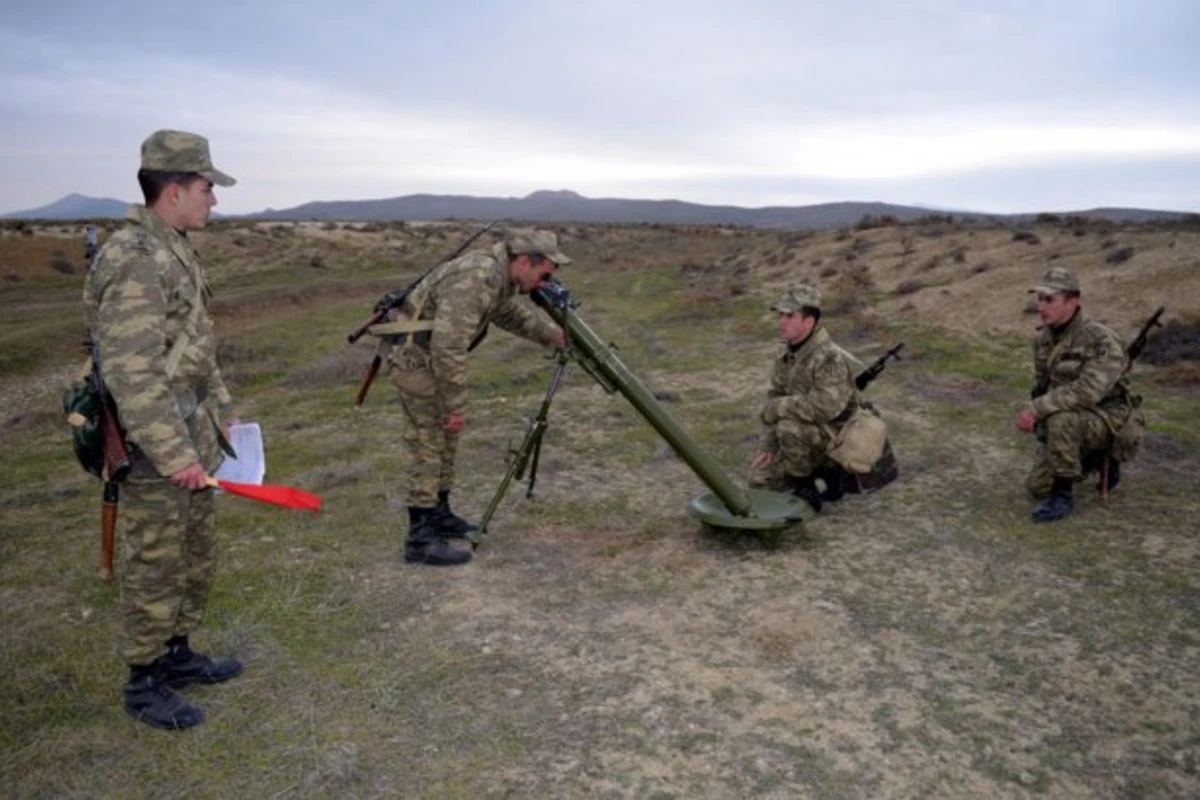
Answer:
(1070, 437)
(167, 563)
(431, 451)
(801, 453)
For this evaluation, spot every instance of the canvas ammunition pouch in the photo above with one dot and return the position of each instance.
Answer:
(859, 443)
(883, 471)
(1127, 439)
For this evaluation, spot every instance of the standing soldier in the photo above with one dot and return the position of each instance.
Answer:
(89, 250)
(444, 317)
(145, 299)
(1080, 396)
(812, 395)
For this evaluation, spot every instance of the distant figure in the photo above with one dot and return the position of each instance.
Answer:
(811, 400)
(146, 301)
(442, 320)
(1081, 406)
(90, 251)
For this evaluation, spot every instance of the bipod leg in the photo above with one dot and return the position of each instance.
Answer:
(530, 448)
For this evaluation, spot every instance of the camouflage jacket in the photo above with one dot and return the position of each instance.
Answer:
(811, 383)
(1080, 366)
(461, 298)
(139, 296)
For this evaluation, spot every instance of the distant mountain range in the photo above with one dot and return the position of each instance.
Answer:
(74, 206)
(567, 206)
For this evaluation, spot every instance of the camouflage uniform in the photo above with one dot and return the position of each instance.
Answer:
(145, 292)
(811, 395)
(1081, 368)
(455, 305)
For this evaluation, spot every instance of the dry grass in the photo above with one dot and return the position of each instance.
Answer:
(926, 640)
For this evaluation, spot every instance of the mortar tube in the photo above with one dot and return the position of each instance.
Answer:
(608, 364)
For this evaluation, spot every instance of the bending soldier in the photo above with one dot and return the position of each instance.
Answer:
(811, 397)
(1080, 399)
(444, 317)
(146, 302)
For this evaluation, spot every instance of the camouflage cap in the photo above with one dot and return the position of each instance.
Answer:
(536, 243)
(1057, 280)
(805, 294)
(176, 151)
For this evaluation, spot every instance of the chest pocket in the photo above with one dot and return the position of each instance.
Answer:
(1067, 368)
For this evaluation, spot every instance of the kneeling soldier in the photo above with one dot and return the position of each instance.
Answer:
(1080, 399)
(812, 395)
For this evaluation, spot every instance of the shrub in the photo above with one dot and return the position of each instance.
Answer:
(910, 286)
(1120, 256)
(60, 263)
(1029, 237)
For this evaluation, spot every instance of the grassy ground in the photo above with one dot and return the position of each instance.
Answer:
(926, 640)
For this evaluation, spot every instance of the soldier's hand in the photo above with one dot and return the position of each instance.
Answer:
(193, 477)
(454, 423)
(762, 459)
(560, 338)
(1026, 420)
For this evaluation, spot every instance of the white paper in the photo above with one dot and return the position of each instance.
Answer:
(250, 464)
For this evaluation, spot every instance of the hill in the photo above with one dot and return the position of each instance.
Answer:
(568, 206)
(74, 206)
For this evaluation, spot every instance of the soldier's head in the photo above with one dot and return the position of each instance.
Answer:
(533, 255)
(177, 178)
(799, 312)
(1057, 296)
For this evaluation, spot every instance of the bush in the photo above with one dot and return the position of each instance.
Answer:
(1029, 237)
(1120, 256)
(60, 263)
(910, 287)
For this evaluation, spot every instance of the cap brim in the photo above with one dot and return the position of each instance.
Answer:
(1045, 290)
(218, 178)
(561, 259)
(783, 308)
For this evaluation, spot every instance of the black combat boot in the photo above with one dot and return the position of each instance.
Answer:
(806, 489)
(835, 487)
(1060, 504)
(181, 666)
(452, 525)
(149, 699)
(427, 543)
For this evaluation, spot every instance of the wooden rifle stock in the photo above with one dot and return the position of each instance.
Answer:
(372, 371)
(116, 467)
(108, 529)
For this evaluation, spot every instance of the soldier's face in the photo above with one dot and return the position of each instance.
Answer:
(195, 201)
(795, 327)
(529, 272)
(1056, 309)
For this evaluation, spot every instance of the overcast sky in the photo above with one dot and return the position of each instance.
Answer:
(1000, 105)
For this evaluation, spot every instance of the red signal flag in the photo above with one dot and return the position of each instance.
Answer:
(284, 496)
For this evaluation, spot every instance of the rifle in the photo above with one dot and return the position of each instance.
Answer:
(116, 465)
(527, 454)
(393, 300)
(1139, 343)
(872, 372)
(396, 298)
